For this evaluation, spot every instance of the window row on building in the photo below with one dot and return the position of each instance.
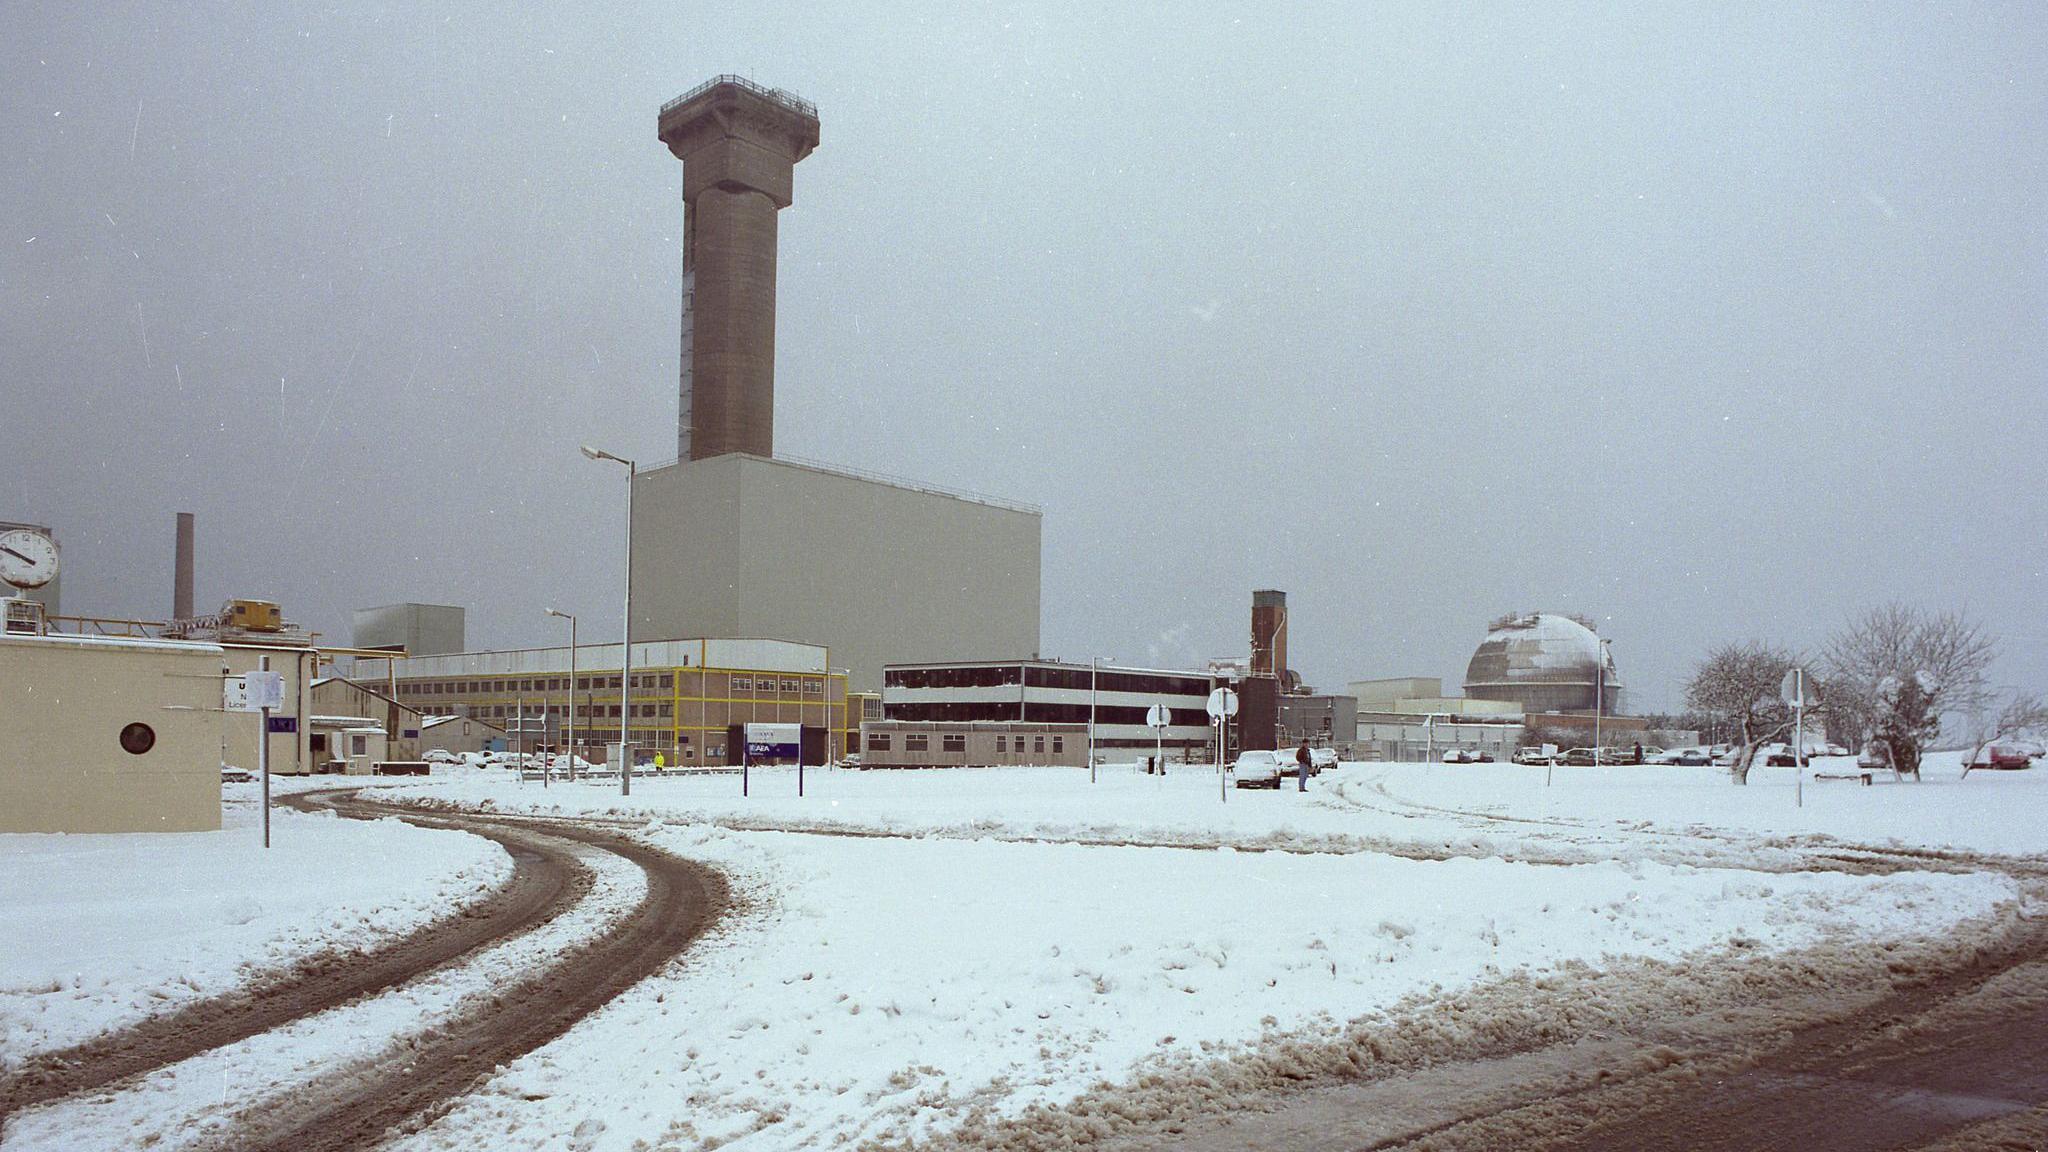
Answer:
(735, 683)
(1045, 676)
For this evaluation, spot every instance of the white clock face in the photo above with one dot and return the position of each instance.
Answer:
(27, 559)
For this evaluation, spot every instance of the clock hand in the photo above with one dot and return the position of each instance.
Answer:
(16, 555)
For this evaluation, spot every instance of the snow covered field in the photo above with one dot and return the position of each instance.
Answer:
(1020, 935)
(2002, 812)
(913, 950)
(101, 930)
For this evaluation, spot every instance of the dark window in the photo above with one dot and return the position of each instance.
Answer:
(1002, 743)
(668, 679)
(1038, 743)
(1059, 743)
(916, 742)
(954, 710)
(952, 742)
(137, 738)
(878, 742)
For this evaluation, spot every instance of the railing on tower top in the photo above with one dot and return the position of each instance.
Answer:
(788, 100)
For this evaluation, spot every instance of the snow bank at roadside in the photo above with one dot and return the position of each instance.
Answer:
(103, 930)
(885, 989)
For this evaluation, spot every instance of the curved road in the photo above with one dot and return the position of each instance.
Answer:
(419, 1078)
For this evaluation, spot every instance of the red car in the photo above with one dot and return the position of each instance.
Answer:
(2006, 756)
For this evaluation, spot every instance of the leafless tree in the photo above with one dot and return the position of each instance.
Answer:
(2006, 715)
(1738, 684)
(1898, 670)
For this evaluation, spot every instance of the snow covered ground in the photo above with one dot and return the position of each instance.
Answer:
(102, 930)
(193, 1103)
(1019, 936)
(912, 949)
(2002, 812)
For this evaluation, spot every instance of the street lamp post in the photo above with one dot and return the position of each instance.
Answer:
(626, 637)
(571, 618)
(1094, 673)
(1599, 694)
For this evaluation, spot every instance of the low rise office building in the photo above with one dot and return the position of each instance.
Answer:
(689, 698)
(1115, 699)
(965, 743)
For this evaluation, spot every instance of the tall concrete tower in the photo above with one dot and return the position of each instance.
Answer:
(738, 143)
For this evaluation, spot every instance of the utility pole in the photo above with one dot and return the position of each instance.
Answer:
(571, 618)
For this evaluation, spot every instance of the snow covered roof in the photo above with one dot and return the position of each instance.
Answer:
(1540, 648)
(434, 721)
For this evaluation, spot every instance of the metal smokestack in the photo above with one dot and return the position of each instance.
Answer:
(181, 582)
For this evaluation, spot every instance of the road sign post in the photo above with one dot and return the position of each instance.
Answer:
(1222, 706)
(1156, 718)
(1796, 688)
(258, 692)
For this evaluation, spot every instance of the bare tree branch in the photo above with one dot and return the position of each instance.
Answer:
(1738, 683)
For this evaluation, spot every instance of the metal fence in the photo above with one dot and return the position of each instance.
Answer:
(788, 100)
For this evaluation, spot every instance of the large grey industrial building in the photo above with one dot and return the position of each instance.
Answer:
(728, 540)
(419, 629)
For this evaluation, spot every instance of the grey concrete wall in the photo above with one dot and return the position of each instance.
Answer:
(422, 629)
(743, 546)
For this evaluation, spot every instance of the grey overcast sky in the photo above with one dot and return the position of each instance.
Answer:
(1711, 323)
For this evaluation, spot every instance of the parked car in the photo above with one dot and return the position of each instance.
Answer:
(1580, 758)
(1457, 756)
(441, 756)
(1688, 757)
(1259, 769)
(1532, 756)
(1321, 758)
(1780, 756)
(229, 774)
(2001, 756)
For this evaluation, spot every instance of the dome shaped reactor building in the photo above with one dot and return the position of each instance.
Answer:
(1544, 662)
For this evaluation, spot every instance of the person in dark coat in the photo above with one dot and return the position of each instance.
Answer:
(1301, 765)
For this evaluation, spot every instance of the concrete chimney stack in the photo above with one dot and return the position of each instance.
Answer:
(181, 581)
(738, 143)
(1269, 634)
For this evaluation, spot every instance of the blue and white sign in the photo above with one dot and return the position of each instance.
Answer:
(774, 741)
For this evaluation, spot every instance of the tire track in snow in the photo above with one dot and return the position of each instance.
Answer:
(546, 881)
(414, 1082)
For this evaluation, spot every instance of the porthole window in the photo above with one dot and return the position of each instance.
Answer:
(138, 738)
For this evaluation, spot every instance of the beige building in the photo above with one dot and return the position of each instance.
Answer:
(291, 748)
(99, 734)
(337, 696)
(458, 734)
(689, 698)
(879, 572)
(968, 743)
